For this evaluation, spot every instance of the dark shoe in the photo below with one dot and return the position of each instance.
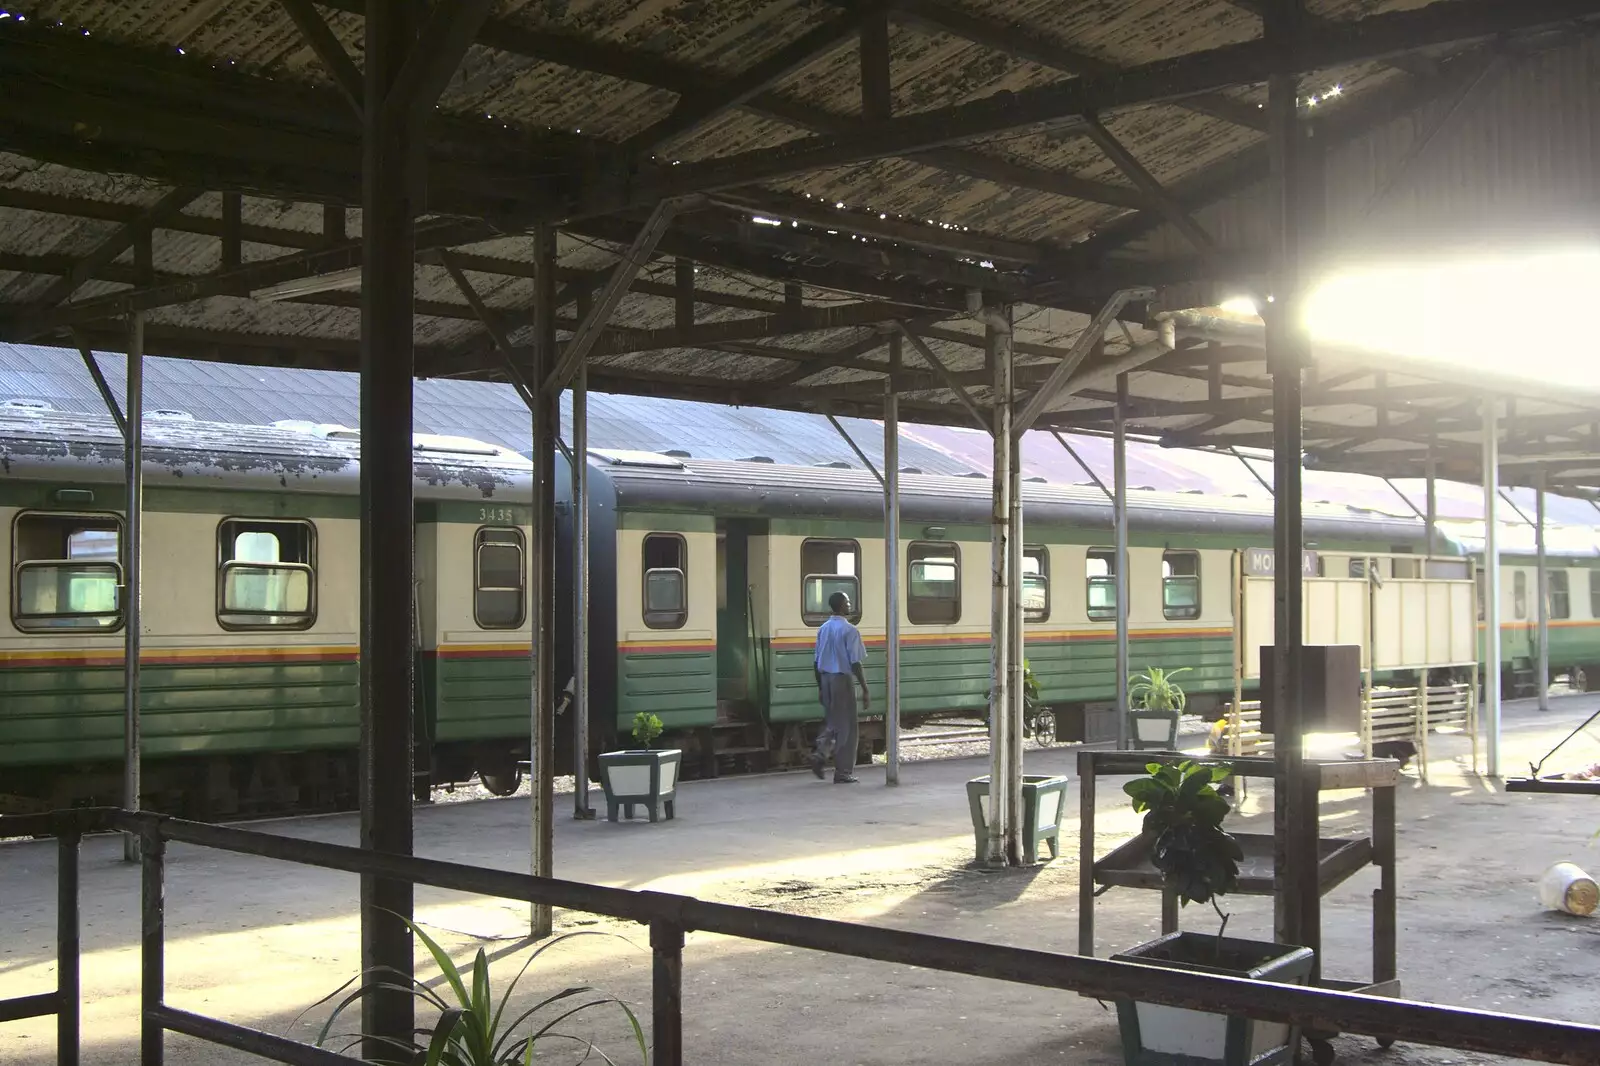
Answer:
(844, 779)
(817, 765)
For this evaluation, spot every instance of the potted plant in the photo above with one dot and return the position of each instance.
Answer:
(1199, 863)
(1155, 703)
(472, 1027)
(1044, 796)
(644, 774)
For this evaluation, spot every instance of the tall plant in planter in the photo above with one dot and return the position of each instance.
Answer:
(643, 775)
(1198, 861)
(467, 1024)
(1155, 701)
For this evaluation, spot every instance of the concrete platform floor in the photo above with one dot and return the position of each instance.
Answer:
(257, 942)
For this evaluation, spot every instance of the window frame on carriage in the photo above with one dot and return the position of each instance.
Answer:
(51, 622)
(1169, 580)
(479, 543)
(1106, 581)
(238, 620)
(1041, 578)
(917, 607)
(840, 546)
(675, 618)
(1560, 599)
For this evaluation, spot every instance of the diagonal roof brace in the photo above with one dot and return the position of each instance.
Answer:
(1046, 393)
(950, 380)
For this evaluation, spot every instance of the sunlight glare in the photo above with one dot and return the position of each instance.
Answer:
(1488, 314)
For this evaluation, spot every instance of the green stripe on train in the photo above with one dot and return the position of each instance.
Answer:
(955, 677)
(679, 687)
(56, 715)
(53, 715)
(476, 697)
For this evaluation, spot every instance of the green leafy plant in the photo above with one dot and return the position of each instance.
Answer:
(1033, 711)
(1197, 858)
(1154, 690)
(646, 727)
(473, 1028)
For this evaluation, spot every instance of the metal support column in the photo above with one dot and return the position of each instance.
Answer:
(1491, 582)
(1294, 205)
(542, 572)
(1543, 577)
(891, 567)
(389, 180)
(1004, 829)
(580, 588)
(1016, 654)
(1431, 507)
(1119, 517)
(132, 560)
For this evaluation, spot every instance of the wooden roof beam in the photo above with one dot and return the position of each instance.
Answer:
(1026, 42)
(1063, 105)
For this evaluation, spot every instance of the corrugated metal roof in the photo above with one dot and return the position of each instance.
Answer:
(489, 411)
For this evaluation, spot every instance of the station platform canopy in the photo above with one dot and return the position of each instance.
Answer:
(845, 184)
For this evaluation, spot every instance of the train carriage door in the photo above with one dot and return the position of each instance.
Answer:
(738, 664)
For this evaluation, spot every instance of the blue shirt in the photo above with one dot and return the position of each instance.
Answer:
(839, 645)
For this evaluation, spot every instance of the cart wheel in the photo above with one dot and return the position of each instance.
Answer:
(1322, 1053)
(1385, 1042)
(504, 783)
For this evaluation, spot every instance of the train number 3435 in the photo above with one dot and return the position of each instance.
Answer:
(496, 514)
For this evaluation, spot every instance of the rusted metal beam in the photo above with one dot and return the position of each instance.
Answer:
(103, 387)
(1033, 45)
(877, 89)
(440, 46)
(1064, 105)
(1135, 171)
(1248, 168)
(232, 254)
(622, 275)
(697, 108)
(950, 381)
(114, 245)
(240, 281)
(1092, 334)
(814, 212)
(346, 76)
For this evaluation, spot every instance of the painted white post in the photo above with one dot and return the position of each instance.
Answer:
(1491, 582)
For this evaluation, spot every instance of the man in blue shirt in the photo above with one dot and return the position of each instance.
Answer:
(840, 654)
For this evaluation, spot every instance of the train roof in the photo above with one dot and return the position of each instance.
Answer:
(293, 456)
(645, 482)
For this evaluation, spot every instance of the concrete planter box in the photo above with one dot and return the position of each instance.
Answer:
(641, 777)
(1044, 799)
(1153, 730)
(1155, 1035)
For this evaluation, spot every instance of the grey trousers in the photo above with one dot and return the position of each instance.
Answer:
(840, 729)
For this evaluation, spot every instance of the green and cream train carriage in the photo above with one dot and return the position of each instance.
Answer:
(250, 610)
(723, 570)
(708, 581)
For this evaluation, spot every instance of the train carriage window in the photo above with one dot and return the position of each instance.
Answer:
(1560, 595)
(666, 586)
(826, 567)
(66, 573)
(1035, 584)
(499, 578)
(933, 583)
(1180, 584)
(1100, 569)
(1519, 595)
(266, 574)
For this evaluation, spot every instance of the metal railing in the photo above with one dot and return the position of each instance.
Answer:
(669, 917)
(65, 1002)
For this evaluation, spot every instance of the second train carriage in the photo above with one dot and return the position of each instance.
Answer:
(708, 581)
